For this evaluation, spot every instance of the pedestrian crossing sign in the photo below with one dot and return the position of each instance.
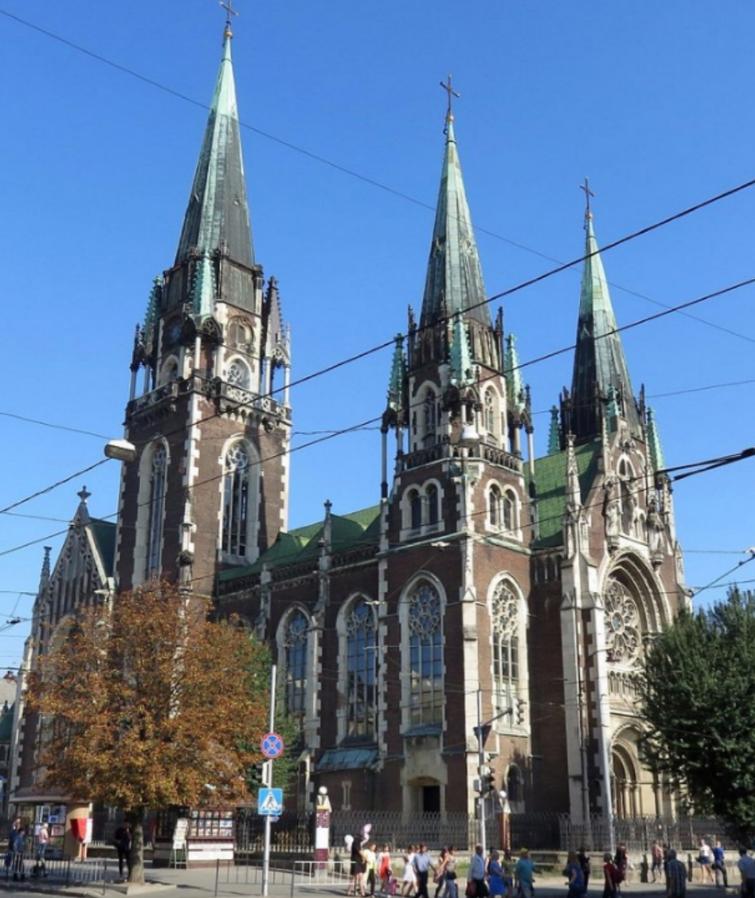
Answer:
(270, 802)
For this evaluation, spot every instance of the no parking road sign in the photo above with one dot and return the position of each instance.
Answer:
(270, 802)
(272, 746)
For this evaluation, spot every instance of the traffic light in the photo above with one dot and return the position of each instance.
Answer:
(521, 706)
(486, 782)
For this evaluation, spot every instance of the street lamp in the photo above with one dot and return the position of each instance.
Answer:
(120, 450)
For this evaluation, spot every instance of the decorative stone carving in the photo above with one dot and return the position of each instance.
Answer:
(611, 510)
(656, 532)
(623, 639)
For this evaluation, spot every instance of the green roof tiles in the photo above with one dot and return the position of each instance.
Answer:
(550, 480)
(347, 531)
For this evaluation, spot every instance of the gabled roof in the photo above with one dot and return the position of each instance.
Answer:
(550, 480)
(359, 528)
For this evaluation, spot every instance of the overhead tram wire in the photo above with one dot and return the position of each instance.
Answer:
(378, 419)
(316, 157)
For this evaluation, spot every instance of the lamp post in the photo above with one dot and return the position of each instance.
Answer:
(322, 828)
(120, 450)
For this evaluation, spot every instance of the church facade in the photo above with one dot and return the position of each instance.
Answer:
(485, 585)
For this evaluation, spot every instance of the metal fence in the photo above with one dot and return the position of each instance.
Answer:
(26, 866)
(290, 834)
(639, 833)
(298, 876)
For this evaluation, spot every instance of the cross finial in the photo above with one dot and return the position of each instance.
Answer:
(83, 494)
(588, 194)
(448, 88)
(227, 5)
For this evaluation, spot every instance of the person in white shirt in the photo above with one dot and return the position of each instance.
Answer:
(477, 873)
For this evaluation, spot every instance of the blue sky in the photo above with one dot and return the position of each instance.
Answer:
(652, 101)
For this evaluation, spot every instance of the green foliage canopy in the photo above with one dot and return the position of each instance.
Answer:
(698, 697)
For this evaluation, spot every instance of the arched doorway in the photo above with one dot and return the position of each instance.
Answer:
(623, 783)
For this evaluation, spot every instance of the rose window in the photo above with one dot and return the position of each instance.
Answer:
(622, 623)
(504, 611)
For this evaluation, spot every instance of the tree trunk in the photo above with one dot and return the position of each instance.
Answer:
(135, 819)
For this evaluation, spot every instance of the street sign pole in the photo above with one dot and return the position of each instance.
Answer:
(268, 778)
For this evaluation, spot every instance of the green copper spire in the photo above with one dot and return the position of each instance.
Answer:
(554, 436)
(654, 443)
(218, 216)
(454, 274)
(153, 305)
(203, 288)
(514, 387)
(599, 363)
(398, 371)
(461, 357)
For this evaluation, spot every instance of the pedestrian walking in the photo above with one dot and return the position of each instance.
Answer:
(122, 841)
(656, 860)
(746, 866)
(385, 868)
(719, 865)
(476, 887)
(440, 872)
(19, 847)
(495, 876)
(583, 859)
(370, 867)
(43, 839)
(676, 876)
(574, 875)
(610, 876)
(452, 887)
(422, 864)
(524, 875)
(705, 860)
(408, 879)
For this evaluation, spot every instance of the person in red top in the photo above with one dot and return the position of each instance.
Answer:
(611, 876)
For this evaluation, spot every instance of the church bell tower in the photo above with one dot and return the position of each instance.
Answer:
(208, 489)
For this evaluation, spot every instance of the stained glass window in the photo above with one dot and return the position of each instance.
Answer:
(425, 656)
(361, 670)
(156, 510)
(295, 648)
(505, 648)
(236, 500)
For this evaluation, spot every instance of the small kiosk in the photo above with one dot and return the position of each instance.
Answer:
(194, 837)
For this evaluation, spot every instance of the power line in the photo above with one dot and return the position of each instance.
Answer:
(316, 157)
(53, 486)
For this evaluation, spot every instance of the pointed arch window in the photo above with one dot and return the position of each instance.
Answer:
(415, 509)
(295, 640)
(156, 510)
(425, 656)
(169, 371)
(361, 671)
(236, 500)
(491, 416)
(494, 506)
(239, 334)
(509, 512)
(505, 649)
(431, 494)
(430, 417)
(238, 374)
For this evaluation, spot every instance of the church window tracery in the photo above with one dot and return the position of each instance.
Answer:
(623, 639)
(236, 500)
(432, 504)
(494, 505)
(415, 509)
(425, 656)
(361, 670)
(510, 523)
(238, 374)
(429, 417)
(295, 640)
(156, 510)
(505, 616)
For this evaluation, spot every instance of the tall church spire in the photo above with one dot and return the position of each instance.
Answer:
(454, 275)
(217, 216)
(600, 369)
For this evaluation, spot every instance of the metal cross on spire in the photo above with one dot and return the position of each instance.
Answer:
(588, 194)
(227, 5)
(448, 88)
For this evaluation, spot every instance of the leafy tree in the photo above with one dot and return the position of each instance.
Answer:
(697, 694)
(151, 704)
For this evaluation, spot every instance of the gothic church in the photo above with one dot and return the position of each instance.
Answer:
(484, 584)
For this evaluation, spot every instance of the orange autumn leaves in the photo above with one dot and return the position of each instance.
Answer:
(150, 703)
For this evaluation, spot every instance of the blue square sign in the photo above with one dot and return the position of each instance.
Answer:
(270, 802)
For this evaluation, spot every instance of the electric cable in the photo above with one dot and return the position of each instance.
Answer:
(316, 157)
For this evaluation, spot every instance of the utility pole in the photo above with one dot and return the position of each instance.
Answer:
(480, 765)
(267, 778)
